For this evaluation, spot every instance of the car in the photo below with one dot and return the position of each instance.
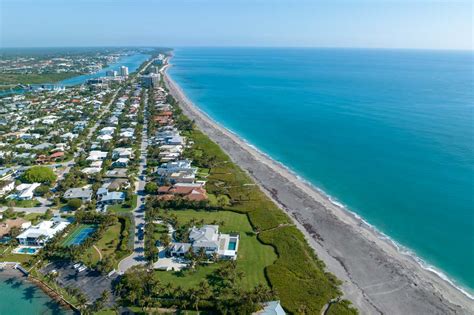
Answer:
(81, 269)
(75, 266)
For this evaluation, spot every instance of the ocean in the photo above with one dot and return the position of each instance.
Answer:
(387, 133)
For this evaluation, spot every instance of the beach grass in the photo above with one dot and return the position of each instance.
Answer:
(297, 275)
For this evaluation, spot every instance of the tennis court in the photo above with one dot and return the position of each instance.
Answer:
(78, 236)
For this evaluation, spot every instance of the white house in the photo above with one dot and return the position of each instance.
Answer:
(26, 191)
(209, 239)
(84, 194)
(271, 308)
(96, 156)
(6, 187)
(122, 153)
(39, 234)
(107, 131)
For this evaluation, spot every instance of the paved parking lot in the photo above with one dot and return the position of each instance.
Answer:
(90, 282)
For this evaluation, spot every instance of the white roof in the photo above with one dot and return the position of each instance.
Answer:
(46, 228)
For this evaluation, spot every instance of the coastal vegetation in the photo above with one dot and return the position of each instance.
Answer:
(34, 78)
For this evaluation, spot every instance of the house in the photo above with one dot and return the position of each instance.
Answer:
(6, 186)
(191, 192)
(91, 170)
(69, 136)
(110, 197)
(271, 308)
(84, 194)
(122, 153)
(105, 138)
(179, 249)
(56, 156)
(116, 184)
(25, 191)
(177, 172)
(117, 173)
(43, 146)
(39, 234)
(208, 239)
(121, 162)
(97, 156)
(6, 226)
(107, 131)
(6, 173)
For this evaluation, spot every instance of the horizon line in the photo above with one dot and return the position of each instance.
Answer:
(245, 46)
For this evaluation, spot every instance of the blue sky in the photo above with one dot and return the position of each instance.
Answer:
(322, 23)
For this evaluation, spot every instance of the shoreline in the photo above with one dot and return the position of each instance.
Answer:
(8, 270)
(377, 277)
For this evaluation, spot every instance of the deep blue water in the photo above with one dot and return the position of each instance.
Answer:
(388, 133)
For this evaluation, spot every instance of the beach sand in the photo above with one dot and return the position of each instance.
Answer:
(376, 277)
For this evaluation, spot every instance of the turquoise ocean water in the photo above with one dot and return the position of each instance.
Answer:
(20, 297)
(387, 133)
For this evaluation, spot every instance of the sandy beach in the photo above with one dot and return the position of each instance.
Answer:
(376, 277)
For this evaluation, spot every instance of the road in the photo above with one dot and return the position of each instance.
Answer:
(138, 257)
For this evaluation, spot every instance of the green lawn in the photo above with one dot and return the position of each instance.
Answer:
(16, 258)
(22, 203)
(186, 279)
(33, 217)
(124, 207)
(107, 245)
(252, 256)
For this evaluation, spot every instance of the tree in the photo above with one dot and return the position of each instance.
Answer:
(48, 214)
(151, 188)
(39, 174)
(42, 190)
(74, 203)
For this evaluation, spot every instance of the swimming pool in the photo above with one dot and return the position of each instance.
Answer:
(232, 245)
(26, 250)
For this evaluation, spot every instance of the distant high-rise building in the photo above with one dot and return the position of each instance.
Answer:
(155, 69)
(150, 80)
(111, 73)
(124, 71)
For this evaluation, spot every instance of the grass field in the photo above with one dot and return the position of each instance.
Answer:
(22, 203)
(252, 257)
(107, 245)
(124, 207)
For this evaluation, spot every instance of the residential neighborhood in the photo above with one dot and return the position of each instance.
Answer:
(107, 179)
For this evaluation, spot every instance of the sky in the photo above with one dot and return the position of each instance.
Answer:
(419, 24)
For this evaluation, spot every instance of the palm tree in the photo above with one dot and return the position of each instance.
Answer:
(81, 301)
